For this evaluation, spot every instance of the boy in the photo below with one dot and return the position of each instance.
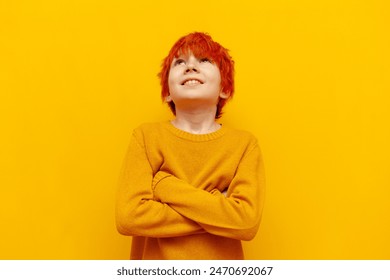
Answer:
(191, 188)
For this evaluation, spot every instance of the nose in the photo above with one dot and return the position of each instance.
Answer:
(191, 69)
(192, 66)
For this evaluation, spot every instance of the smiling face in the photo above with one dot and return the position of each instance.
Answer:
(201, 46)
(194, 82)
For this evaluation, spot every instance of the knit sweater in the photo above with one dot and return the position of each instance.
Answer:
(171, 193)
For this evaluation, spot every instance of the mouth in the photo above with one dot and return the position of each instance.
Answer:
(191, 82)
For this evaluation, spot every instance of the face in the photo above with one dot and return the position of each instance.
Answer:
(194, 81)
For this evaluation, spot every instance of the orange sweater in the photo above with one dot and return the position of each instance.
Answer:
(170, 193)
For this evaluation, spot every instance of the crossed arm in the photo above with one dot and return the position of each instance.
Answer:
(165, 206)
(137, 212)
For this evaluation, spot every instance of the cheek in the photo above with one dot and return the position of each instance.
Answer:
(171, 85)
(173, 88)
(216, 74)
(217, 78)
(171, 80)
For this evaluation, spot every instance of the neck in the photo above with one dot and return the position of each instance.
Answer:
(196, 122)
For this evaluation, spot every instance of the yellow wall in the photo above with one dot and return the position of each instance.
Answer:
(312, 83)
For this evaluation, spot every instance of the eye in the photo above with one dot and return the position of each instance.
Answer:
(205, 59)
(179, 61)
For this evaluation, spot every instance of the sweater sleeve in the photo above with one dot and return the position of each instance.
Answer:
(235, 216)
(137, 213)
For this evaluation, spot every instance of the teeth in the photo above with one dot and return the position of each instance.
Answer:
(192, 82)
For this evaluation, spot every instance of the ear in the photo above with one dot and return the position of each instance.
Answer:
(168, 99)
(224, 95)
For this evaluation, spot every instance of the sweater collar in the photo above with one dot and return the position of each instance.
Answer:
(194, 137)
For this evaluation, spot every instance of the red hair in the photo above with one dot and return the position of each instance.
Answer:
(201, 45)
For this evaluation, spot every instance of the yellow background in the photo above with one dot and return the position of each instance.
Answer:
(312, 83)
